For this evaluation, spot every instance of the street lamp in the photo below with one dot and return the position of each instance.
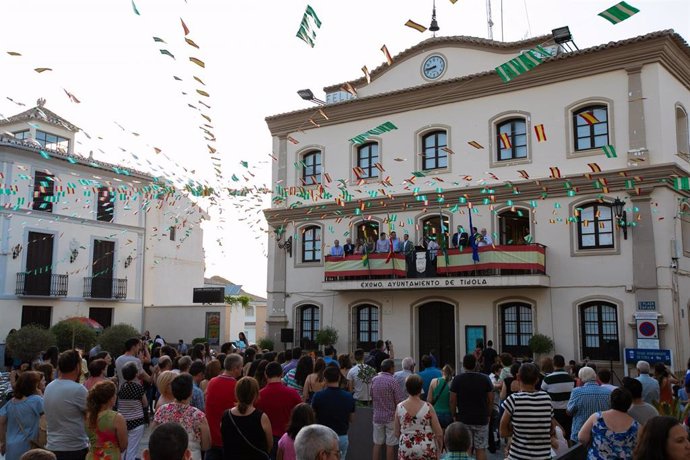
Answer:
(621, 216)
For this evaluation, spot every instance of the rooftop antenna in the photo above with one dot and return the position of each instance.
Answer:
(489, 22)
(434, 25)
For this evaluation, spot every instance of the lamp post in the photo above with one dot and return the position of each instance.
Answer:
(621, 216)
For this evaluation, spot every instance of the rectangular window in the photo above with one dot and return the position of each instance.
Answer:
(106, 205)
(171, 233)
(367, 160)
(599, 331)
(52, 141)
(36, 315)
(22, 135)
(591, 127)
(595, 226)
(104, 316)
(43, 192)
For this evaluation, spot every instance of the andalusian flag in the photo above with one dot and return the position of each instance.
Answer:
(415, 26)
(389, 59)
(619, 12)
(505, 141)
(310, 21)
(540, 132)
(589, 118)
(681, 183)
(610, 151)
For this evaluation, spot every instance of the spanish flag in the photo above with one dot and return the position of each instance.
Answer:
(505, 141)
(555, 172)
(349, 88)
(293, 140)
(523, 173)
(366, 74)
(415, 26)
(540, 132)
(594, 167)
(589, 118)
(475, 144)
(389, 59)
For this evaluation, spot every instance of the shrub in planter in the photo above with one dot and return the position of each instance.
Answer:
(29, 341)
(540, 344)
(327, 336)
(265, 344)
(199, 340)
(113, 338)
(73, 334)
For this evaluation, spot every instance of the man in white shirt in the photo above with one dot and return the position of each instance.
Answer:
(360, 375)
(486, 239)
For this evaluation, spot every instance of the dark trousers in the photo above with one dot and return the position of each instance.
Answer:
(274, 450)
(494, 437)
(565, 420)
(214, 453)
(71, 455)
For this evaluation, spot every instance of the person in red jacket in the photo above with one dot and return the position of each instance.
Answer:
(220, 395)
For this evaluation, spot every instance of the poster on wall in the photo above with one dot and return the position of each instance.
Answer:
(213, 328)
(474, 338)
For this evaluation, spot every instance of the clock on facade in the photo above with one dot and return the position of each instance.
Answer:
(433, 67)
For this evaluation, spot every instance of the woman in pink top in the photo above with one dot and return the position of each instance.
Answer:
(301, 416)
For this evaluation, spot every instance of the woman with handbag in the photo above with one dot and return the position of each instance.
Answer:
(439, 396)
(20, 417)
(246, 431)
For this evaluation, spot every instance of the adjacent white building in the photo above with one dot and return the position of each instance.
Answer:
(525, 159)
(81, 237)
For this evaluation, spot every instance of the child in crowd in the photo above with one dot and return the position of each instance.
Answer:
(301, 416)
(458, 442)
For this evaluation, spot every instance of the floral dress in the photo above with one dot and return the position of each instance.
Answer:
(189, 417)
(607, 444)
(103, 441)
(416, 436)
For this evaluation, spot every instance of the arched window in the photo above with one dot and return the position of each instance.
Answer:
(311, 168)
(511, 139)
(311, 244)
(516, 328)
(599, 331)
(595, 226)
(591, 127)
(433, 155)
(513, 226)
(308, 318)
(682, 139)
(432, 227)
(367, 158)
(366, 326)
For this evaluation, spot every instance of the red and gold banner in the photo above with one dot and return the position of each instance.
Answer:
(508, 257)
(353, 266)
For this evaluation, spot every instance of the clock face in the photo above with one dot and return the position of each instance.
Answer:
(433, 67)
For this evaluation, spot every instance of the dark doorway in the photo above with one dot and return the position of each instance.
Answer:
(39, 264)
(36, 315)
(102, 269)
(437, 332)
(513, 226)
(104, 316)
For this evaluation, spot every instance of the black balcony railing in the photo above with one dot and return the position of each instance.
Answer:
(105, 288)
(41, 284)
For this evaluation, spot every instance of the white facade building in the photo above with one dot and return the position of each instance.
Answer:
(80, 237)
(560, 263)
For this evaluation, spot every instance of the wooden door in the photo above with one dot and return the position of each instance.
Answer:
(39, 264)
(102, 269)
(437, 332)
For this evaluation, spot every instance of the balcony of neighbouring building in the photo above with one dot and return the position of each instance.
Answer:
(490, 266)
(41, 284)
(97, 287)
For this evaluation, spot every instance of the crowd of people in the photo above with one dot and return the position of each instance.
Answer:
(246, 403)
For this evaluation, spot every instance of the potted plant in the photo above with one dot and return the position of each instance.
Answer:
(113, 338)
(327, 336)
(265, 344)
(28, 342)
(70, 333)
(540, 344)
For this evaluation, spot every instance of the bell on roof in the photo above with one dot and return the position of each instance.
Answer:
(41, 102)
(434, 24)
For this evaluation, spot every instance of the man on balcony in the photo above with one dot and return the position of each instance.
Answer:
(460, 238)
(337, 249)
(349, 248)
(383, 246)
(395, 242)
(484, 239)
(407, 248)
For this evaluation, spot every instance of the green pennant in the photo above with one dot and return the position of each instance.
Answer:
(619, 12)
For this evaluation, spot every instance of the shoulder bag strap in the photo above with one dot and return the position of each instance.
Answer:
(243, 437)
(445, 382)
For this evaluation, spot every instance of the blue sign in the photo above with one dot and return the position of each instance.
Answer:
(633, 355)
(646, 305)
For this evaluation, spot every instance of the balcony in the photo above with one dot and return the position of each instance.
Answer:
(41, 284)
(105, 288)
(499, 266)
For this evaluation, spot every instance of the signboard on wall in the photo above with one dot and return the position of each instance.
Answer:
(213, 328)
(646, 305)
(633, 355)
